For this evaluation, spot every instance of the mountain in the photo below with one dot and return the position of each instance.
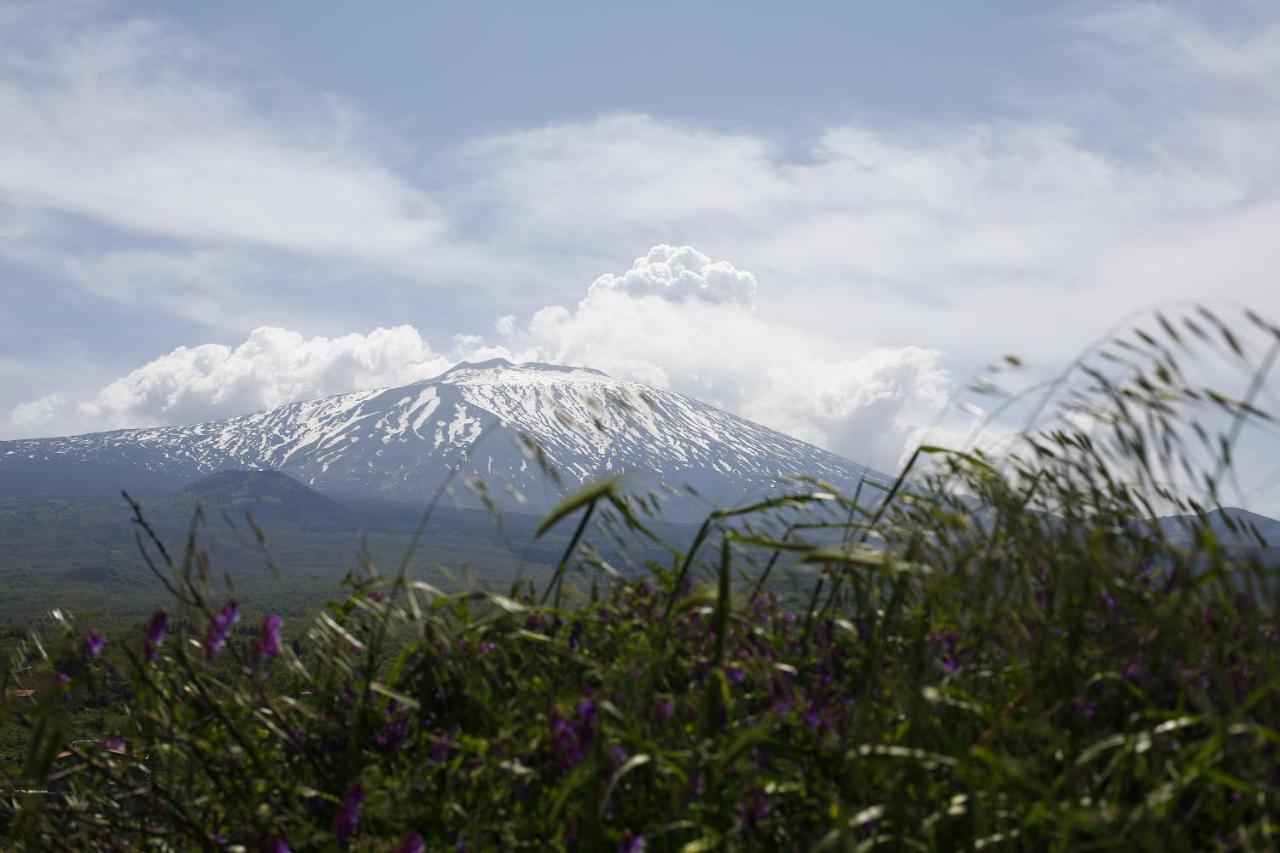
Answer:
(267, 496)
(1233, 527)
(488, 419)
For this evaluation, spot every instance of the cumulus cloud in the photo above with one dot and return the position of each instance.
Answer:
(272, 367)
(859, 400)
(679, 274)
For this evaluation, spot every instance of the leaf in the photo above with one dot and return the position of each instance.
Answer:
(590, 494)
(632, 763)
(379, 687)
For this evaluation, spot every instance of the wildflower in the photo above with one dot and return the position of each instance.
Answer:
(758, 807)
(411, 843)
(156, 631)
(115, 743)
(347, 819)
(216, 637)
(736, 674)
(1109, 601)
(94, 643)
(268, 644)
(439, 750)
(392, 733)
(631, 843)
(664, 708)
(279, 845)
(1089, 708)
(63, 678)
(566, 742)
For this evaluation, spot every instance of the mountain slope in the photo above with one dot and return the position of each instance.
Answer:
(267, 496)
(400, 442)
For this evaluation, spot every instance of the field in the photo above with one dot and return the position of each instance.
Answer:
(998, 652)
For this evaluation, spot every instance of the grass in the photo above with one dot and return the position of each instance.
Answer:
(1002, 651)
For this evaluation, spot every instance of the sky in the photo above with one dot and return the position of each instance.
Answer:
(824, 216)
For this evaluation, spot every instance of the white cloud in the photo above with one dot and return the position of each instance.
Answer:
(958, 237)
(862, 405)
(680, 274)
(272, 367)
(133, 125)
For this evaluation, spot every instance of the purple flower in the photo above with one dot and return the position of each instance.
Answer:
(268, 644)
(348, 816)
(1089, 708)
(156, 630)
(736, 674)
(392, 733)
(411, 843)
(113, 744)
(758, 807)
(950, 665)
(216, 637)
(1109, 601)
(664, 708)
(279, 845)
(570, 738)
(631, 843)
(94, 642)
(567, 745)
(1133, 672)
(439, 750)
(63, 678)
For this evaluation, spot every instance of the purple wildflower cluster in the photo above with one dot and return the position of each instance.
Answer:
(572, 736)
(268, 642)
(215, 639)
(156, 631)
(411, 843)
(347, 818)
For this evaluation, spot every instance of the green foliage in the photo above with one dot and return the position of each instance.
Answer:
(1001, 651)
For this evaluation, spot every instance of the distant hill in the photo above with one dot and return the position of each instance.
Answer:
(1234, 527)
(267, 496)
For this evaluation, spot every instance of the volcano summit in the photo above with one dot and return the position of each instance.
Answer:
(504, 423)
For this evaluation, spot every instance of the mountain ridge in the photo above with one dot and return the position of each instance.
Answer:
(494, 420)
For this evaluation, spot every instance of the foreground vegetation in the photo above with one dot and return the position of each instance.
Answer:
(1001, 651)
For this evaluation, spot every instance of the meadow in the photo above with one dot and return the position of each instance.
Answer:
(1005, 649)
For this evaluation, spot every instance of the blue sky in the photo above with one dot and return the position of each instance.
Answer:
(211, 208)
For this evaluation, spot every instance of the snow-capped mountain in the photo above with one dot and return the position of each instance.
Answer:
(400, 442)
